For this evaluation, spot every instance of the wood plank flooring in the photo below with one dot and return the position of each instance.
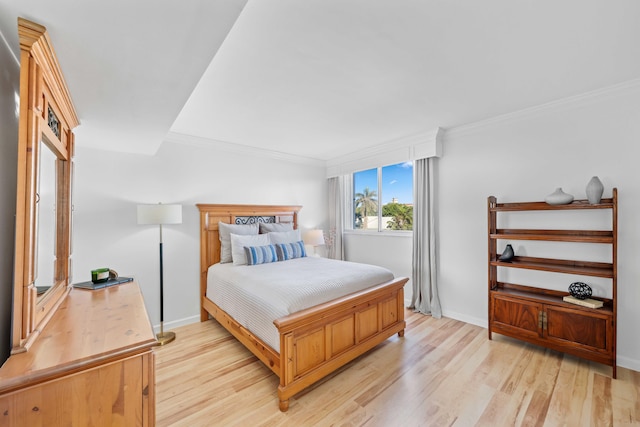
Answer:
(441, 373)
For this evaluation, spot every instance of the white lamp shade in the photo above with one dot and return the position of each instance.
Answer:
(159, 214)
(313, 238)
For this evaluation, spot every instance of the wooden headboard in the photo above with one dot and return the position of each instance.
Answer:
(210, 215)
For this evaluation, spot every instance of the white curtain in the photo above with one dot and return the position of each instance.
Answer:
(425, 290)
(339, 213)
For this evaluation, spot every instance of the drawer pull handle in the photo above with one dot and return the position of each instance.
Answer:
(540, 314)
(542, 320)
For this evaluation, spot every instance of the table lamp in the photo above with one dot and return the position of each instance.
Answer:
(314, 238)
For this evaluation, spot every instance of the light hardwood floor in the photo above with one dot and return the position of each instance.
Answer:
(441, 373)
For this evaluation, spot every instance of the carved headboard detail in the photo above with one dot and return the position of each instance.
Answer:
(210, 215)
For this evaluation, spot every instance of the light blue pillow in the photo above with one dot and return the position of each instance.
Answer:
(288, 251)
(260, 254)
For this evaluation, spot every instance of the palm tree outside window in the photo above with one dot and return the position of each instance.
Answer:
(366, 205)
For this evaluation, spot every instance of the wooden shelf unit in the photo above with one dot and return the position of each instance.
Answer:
(540, 315)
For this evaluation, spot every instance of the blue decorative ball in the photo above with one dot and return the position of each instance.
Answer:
(580, 290)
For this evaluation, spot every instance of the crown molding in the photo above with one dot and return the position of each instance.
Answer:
(428, 143)
(549, 107)
(201, 142)
(412, 147)
(417, 146)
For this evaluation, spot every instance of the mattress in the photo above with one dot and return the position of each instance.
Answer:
(257, 295)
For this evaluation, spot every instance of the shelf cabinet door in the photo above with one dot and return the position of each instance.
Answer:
(579, 329)
(516, 316)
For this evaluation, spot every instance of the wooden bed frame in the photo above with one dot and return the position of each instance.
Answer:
(313, 342)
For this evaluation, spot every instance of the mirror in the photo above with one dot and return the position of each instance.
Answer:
(43, 199)
(45, 262)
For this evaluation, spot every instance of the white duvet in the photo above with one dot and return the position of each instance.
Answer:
(256, 295)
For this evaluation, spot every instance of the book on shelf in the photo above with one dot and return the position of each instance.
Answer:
(588, 302)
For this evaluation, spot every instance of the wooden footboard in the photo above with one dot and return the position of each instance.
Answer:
(319, 340)
(313, 342)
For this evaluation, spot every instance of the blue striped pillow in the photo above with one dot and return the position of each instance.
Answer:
(290, 250)
(260, 254)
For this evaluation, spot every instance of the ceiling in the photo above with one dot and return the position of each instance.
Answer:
(321, 79)
(130, 65)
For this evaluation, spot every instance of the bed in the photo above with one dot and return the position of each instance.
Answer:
(315, 341)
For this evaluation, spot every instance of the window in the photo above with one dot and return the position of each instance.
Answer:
(390, 187)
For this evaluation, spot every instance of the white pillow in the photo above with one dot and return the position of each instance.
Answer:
(275, 226)
(225, 230)
(292, 236)
(239, 241)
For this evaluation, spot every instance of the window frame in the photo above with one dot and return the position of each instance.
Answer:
(352, 207)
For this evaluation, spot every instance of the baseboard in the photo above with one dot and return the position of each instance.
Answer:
(482, 322)
(176, 323)
(628, 363)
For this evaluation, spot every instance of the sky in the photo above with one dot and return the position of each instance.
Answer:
(397, 181)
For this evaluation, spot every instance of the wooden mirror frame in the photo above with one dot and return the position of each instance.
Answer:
(43, 96)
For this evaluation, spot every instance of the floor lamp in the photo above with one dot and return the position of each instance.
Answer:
(161, 214)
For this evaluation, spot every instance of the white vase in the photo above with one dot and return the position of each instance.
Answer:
(559, 197)
(594, 190)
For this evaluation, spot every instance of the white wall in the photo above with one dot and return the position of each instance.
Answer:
(109, 185)
(524, 157)
(392, 251)
(9, 104)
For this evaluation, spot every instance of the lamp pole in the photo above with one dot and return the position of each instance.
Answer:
(161, 214)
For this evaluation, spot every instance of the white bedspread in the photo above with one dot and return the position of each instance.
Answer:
(257, 295)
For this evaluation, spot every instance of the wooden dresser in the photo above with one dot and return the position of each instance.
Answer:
(92, 364)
